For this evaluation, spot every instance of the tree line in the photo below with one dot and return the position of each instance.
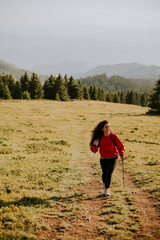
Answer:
(116, 83)
(63, 89)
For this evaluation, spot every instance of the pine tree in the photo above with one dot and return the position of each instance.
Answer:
(122, 97)
(17, 90)
(4, 89)
(25, 82)
(46, 89)
(109, 97)
(101, 94)
(66, 80)
(133, 97)
(137, 98)
(49, 88)
(6, 92)
(130, 97)
(35, 88)
(155, 99)
(86, 93)
(4, 79)
(74, 90)
(11, 85)
(95, 93)
(80, 90)
(91, 92)
(116, 98)
(144, 99)
(61, 89)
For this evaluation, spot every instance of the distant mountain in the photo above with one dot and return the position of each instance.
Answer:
(8, 68)
(128, 70)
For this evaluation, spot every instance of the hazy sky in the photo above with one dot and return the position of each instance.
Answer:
(89, 31)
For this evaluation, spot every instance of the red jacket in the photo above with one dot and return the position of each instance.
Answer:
(107, 149)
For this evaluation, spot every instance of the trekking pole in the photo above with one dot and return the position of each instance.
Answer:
(123, 172)
(92, 170)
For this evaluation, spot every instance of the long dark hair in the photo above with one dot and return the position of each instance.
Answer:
(97, 132)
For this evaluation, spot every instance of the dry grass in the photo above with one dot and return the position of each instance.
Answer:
(43, 156)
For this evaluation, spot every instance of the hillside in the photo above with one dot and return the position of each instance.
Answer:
(8, 68)
(128, 70)
(118, 83)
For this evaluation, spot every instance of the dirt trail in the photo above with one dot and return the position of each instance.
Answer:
(86, 226)
(149, 216)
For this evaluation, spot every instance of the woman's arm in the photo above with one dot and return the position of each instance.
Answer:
(120, 147)
(95, 145)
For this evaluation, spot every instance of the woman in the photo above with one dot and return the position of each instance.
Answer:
(109, 147)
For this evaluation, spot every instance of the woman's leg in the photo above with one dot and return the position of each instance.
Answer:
(103, 166)
(107, 166)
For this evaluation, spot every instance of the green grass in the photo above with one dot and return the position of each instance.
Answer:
(44, 158)
(119, 219)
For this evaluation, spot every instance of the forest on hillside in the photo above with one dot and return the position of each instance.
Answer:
(64, 89)
(118, 83)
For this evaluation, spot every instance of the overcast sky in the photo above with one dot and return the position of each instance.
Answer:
(100, 31)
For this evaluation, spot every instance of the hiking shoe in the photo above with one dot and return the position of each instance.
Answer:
(106, 192)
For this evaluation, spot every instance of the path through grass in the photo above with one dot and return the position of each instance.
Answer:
(46, 164)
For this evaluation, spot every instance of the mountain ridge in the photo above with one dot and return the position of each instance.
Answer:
(127, 70)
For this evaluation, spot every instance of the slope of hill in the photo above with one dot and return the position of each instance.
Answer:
(8, 68)
(128, 70)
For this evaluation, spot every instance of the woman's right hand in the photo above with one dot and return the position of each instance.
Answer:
(96, 143)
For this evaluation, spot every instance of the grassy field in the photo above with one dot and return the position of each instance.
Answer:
(45, 166)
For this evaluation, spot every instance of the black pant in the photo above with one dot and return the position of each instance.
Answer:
(107, 166)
